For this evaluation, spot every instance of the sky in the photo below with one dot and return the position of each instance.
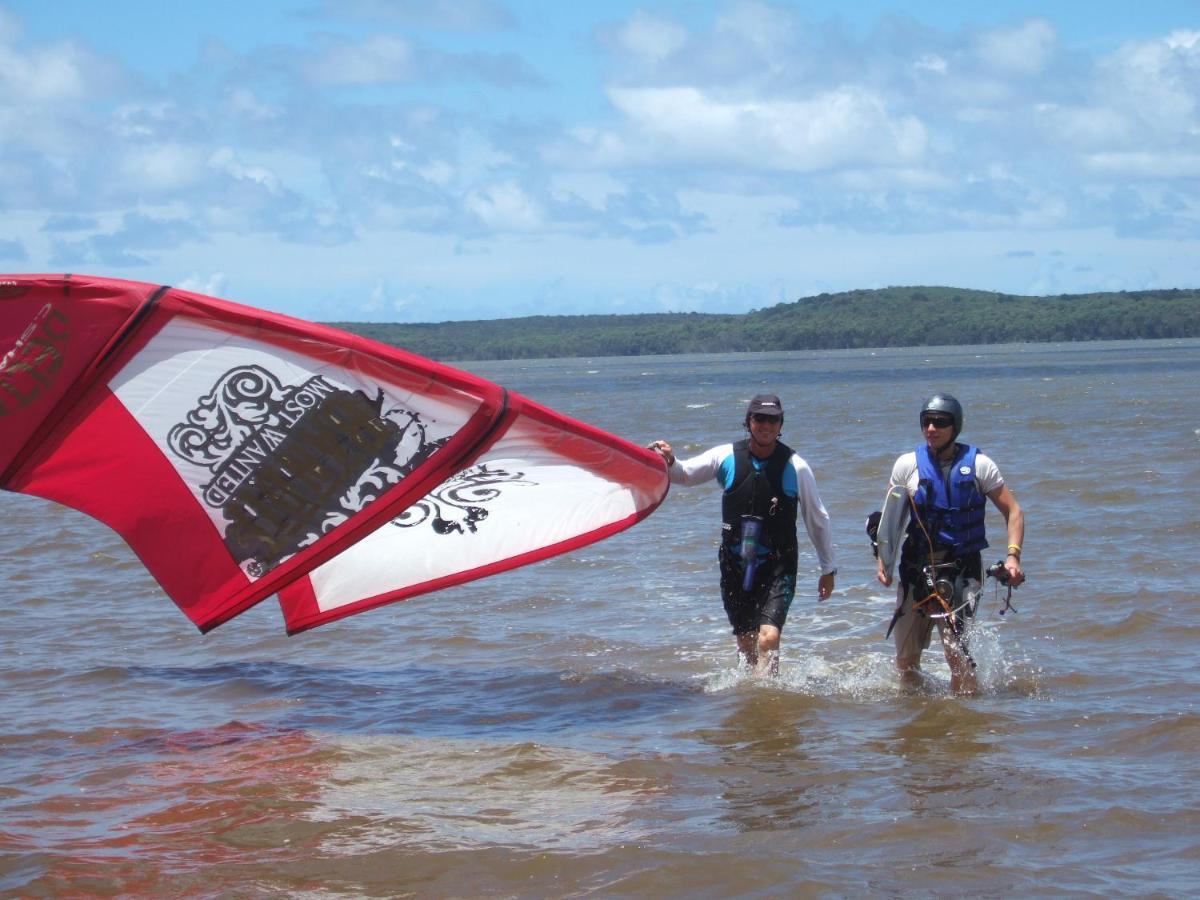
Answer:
(439, 160)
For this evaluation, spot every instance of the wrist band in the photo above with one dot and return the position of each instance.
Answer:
(1014, 548)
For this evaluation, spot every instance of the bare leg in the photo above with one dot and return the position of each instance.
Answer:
(909, 668)
(962, 672)
(747, 645)
(768, 650)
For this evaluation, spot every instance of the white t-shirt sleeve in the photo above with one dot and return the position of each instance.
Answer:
(904, 472)
(698, 469)
(814, 514)
(987, 474)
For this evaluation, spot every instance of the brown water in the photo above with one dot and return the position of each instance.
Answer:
(579, 728)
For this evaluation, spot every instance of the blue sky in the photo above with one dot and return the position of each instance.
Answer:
(431, 160)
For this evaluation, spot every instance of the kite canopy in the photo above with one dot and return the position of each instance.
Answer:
(242, 453)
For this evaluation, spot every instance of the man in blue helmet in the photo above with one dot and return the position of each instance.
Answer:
(935, 503)
(767, 488)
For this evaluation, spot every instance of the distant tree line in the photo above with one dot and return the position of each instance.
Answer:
(887, 317)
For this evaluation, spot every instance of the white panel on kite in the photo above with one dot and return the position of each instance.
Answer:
(234, 415)
(538, 491)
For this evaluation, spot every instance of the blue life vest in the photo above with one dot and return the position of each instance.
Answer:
(951, 507)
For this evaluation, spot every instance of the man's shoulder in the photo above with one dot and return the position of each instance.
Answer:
(987, 473)
(718, 454)
(904, 469)
(796, 460)
(983, 461)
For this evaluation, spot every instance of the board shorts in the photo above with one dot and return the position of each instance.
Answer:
(913, 629)
(768, 600)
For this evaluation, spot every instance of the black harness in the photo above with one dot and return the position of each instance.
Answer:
(759, 492)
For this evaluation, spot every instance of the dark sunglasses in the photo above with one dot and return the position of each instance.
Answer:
(937, 421)
(766, 419)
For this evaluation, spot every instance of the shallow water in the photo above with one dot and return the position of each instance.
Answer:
(580, 728)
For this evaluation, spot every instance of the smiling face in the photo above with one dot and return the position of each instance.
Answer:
(764, 432)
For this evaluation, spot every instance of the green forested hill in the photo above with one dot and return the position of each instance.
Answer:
(888, 317)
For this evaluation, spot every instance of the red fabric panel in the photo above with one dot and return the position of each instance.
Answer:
(104, 465)
(51, 329)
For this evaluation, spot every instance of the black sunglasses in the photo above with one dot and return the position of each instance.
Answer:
(766, 419)
(937, 421)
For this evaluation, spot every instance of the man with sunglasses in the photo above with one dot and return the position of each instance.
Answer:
(935, 501)
(767, 487)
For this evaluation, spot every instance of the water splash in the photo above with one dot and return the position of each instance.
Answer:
(867, 676)
(1003, 671)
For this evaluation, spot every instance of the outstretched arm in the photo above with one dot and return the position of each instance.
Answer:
(696, 470)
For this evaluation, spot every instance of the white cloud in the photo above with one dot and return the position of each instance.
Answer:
(142, 121)
(650, 37)
(1086, 127)
(437, 172)
(387, 59)
(1145, 164)
(48, 76)
(452, 15)
(838, 128)
(1024, 49)
(1184, 40)
(1157, 83)
(1139, 116)
(246, 104)
(213, 284)
(931, 62)
(60, 73)
(226, 161)
(767, 29)
(506, 207)
(163, 168)
(380, 59)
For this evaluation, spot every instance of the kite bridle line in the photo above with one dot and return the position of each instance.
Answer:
(949, 613)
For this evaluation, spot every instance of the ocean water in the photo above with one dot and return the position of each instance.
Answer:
(580, 727)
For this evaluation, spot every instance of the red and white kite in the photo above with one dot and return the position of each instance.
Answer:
(242, 453)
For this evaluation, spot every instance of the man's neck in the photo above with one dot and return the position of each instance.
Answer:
(762, 451)
(946, 454)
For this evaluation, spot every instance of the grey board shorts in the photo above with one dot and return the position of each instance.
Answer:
(914, 629)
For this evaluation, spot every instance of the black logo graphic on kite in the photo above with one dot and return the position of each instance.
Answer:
(290, 463)
(454, 506)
